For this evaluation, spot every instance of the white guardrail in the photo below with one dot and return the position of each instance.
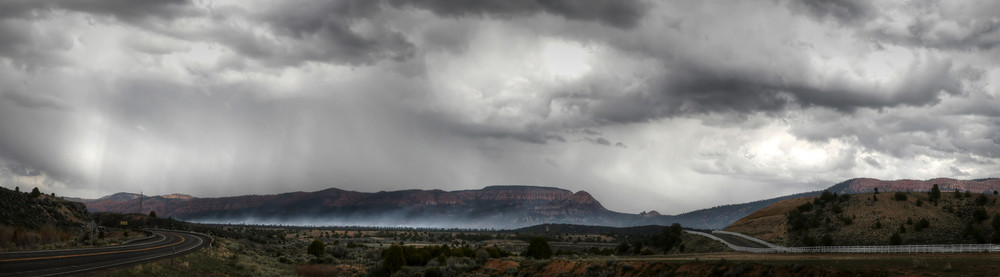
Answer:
(931, 248)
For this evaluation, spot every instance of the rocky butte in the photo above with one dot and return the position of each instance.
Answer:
(490, 207)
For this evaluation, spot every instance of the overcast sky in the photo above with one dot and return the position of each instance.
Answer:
(649, 105)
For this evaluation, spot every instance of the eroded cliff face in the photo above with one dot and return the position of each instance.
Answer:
(512, 205)
(867, 185)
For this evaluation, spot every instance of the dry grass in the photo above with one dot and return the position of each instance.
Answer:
(769, 223)
(946, 226)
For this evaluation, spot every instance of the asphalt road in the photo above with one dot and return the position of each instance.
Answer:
(73, 261)
(738, 241)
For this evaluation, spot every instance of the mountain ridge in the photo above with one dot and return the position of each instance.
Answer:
(488, 207)
(479, 206)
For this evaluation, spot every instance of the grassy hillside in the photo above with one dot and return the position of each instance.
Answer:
(21, 209)
(874, 219)
(28, 221)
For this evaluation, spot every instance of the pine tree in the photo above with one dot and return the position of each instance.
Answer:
(935, 194)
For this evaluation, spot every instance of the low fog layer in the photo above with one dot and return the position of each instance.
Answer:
(648, 105)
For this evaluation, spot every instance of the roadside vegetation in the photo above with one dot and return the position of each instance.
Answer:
(33, 220)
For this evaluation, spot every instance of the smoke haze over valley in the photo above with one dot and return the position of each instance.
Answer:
(672, 106)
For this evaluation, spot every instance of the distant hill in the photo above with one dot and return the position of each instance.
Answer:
(716, 218)
(863, 220)
(490, 207)
(592, 230)
(19, 209)
(866, 185)
(518, 206)
(121, 196)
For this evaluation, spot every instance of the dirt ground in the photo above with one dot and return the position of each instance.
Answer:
(746, 264)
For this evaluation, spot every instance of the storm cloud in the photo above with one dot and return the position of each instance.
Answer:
(648, 105)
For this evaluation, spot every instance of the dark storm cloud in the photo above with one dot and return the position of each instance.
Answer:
(35, 101)
(218, 98)
(942, 25)
(873, 162)
(842, 11)
(598, 141)
(25, 45)
(617, 13)
(130, 11)
(324, 34)
(694, 91)
(124, 10)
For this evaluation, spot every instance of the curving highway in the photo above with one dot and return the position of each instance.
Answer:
(744, 243)
(71, 261)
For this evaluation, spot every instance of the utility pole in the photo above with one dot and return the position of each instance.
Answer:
(140, 202)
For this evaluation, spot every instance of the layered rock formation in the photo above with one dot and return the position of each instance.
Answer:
(490, 207)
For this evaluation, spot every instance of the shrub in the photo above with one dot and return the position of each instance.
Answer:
(981, 200)
(896, 239)
(920, 202)
(979, 215)
(826, 240)
(35, 193)
(637, 247)
(808, 240)
(808, 206)
(393, 259)
(316, 248)
(923, 223)
(539, 249)
(899, 196)
(996, 223)
(622, 248)
(797, 220)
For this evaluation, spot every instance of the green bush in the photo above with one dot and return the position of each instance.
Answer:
(808, 240)
(393, 259)
(979, 215)
(316, 248)
(923, 223)
(826, 240)
(981, 200)
(896, 239)
(808, 206)
(899, 196)
(538, 249)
